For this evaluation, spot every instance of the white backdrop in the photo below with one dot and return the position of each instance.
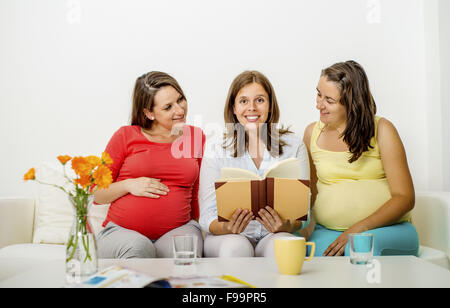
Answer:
(67, 68)
(444, 40)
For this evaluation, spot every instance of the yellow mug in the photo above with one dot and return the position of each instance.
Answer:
(290, 253)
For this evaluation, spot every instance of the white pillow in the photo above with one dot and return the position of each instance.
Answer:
(54, 212)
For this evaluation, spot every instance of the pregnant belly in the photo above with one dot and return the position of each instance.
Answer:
(152, 217)
(340, 205)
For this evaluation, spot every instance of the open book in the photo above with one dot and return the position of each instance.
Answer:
(279, 188)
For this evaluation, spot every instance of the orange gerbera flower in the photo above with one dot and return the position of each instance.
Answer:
(94, 161)
(84, 181)
(103, 177)
(63, 159)
(106, 158)
(30, 175)
(81, 166)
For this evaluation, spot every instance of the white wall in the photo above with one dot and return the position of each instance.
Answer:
(444, 40)
(68, 67)
(432, 83)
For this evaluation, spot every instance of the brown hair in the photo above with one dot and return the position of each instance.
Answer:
(232, 134)
(353, 84)
(144, 93)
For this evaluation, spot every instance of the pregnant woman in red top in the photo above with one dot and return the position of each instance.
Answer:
(156, 175)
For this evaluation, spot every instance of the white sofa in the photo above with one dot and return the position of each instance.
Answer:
(20, 248)
(28, 238)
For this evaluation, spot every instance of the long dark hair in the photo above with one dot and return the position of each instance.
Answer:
(353, 84)
(144, 93)
(235, 131)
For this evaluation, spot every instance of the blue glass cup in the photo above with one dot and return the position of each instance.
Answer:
(361, 248)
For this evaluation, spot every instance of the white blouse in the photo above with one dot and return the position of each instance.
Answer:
(215, 158)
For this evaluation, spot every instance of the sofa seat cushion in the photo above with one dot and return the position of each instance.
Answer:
(46, 252)
(19, 258)
(434, 256)
(10, 267)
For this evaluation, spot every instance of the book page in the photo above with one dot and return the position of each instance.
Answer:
(288, 169)
(230, 174)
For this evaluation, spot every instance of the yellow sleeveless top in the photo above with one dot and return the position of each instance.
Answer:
(348, 193)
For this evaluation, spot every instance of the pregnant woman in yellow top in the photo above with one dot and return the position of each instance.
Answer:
(359, 172)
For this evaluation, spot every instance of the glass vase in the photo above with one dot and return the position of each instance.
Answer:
(81, 249)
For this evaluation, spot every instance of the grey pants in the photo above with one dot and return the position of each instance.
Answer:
(115, 242)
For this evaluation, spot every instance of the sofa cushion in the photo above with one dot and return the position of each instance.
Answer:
(16, 259)
(431, 217)
(45, 252)
(434, 256)
(54, 211)
(10, 267)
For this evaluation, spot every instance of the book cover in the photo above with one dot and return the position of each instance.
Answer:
(279, 188)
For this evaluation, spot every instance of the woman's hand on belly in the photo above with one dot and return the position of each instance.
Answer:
(146, 187)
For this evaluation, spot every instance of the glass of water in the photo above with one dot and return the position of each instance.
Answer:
(184, 249)
(361, 248)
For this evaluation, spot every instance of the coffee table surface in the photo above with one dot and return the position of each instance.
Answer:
(399, 271)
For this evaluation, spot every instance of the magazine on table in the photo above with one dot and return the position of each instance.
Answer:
(121, 277)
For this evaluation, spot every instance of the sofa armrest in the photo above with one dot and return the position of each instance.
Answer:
(16, 221)
(431, 217)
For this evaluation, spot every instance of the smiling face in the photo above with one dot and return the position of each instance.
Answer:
(251, 105)
(332, 112)
(169, 109)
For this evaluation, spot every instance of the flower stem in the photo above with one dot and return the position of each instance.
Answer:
(57, 186)
(80, 201)
(74, 247)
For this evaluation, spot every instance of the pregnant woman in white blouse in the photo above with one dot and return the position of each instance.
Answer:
(254, 142)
